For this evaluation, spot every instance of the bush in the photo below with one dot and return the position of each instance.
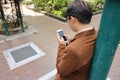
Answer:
(27, 2)
(57, 12)
(59, 7)
(64, 14)
(96, 5)
(40, 4)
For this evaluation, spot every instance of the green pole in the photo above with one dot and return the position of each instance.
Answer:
(20, 16)
(107, 41)
(4, 21)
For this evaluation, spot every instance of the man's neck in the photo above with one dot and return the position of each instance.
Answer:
(82, 27)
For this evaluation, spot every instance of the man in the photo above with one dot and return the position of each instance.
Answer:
(74, 59)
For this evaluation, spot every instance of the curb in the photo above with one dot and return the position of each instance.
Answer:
(14, 30)
(55, 17)
(98, 12)
(64, 19)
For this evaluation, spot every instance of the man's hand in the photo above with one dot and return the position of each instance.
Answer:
(61, 40)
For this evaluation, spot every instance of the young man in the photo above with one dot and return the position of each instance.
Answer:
(74, 60)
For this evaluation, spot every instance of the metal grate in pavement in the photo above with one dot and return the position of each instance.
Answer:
(23, 54)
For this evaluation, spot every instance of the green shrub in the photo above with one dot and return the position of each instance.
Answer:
(27, 2)
(59, 7)
(40, 4)
(49, 6)
(57, 12)
(96, 5)
(64, 14)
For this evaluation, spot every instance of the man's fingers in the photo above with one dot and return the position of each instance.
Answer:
(68, 37)
(60, 40)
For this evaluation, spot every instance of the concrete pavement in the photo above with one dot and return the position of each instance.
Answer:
(45, 39)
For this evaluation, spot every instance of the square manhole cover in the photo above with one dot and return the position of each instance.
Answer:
(23, 54)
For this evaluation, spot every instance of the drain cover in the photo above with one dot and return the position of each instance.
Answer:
(23, 54)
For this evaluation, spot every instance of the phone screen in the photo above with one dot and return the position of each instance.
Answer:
(61, 34)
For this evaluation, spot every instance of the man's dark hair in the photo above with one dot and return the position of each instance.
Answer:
(81, 10)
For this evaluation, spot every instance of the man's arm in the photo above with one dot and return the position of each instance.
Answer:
(61, 49)
(67, 62)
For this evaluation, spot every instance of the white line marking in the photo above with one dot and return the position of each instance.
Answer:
(2, 41)
(49, 75)
(53, 73)
(108, 78)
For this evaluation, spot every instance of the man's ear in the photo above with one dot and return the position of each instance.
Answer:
(73, 19)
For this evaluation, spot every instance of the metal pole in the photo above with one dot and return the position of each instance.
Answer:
(107, 41)
(4, 21)
(20, 16)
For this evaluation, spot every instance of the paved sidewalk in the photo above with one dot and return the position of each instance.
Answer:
(45, 39)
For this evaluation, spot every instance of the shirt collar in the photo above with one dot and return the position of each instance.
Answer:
(85, 29)
(85, 32)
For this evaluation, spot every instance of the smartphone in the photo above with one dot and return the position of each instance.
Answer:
(61, 34)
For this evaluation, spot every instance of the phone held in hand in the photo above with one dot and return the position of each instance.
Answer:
(61, 35)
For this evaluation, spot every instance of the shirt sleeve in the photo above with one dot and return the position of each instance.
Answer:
(61, 49)
(67, 62)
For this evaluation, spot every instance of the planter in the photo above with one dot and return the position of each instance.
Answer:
(55, 16)
(58, 17)
(64, 19)
(14, 30)
(98, 12)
